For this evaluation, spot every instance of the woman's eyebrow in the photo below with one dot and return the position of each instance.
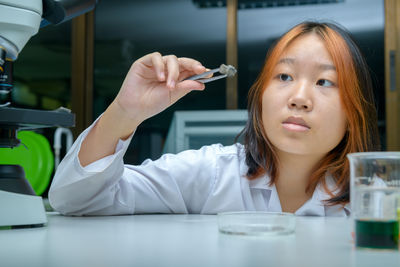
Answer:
(286, 60)
(327, 67)
(321, 66)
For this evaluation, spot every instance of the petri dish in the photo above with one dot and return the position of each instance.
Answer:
(256, 223)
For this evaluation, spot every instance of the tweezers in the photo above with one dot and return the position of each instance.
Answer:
(225, 70)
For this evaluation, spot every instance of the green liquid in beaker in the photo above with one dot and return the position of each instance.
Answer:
(377, 234)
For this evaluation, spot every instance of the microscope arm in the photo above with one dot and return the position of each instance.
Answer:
(21, 19)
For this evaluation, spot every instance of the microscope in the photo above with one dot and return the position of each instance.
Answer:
(19, 21)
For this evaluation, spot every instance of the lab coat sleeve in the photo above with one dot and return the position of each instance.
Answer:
(172, 184)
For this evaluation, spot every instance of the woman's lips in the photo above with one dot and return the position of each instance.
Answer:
(295, 127)
(295, 124)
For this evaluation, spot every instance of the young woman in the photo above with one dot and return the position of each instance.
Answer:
(311, 105)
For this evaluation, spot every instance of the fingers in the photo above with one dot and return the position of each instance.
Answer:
(178, 66)
(190, 85)
(184, 88)
(155, 61)
(172, 69)
(191, 65)
(159, 66)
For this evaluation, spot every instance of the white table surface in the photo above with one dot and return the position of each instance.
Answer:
(182, 240)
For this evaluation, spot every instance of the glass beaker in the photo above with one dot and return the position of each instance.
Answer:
(375, 198)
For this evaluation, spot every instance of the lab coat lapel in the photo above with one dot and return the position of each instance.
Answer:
(335, 210)
(313, 206)
(316, 205)
(265, 197)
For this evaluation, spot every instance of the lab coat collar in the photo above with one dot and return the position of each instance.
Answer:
(332, 187)
(330, 184)
(263, 183)
(271, 198)
(314, 206)
(260, 183)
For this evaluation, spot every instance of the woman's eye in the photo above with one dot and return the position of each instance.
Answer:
(285, 77)
(323, 82)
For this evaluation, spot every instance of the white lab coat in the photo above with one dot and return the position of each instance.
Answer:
(207, 181)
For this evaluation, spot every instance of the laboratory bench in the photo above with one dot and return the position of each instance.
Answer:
(182, 240)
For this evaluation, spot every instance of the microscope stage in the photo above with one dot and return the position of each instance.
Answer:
(22, 118)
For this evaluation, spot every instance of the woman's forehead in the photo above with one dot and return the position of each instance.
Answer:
(307, 49)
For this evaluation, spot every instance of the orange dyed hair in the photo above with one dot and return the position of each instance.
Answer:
(356, 93)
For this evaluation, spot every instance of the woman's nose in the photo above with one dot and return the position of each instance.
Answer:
(301, 98)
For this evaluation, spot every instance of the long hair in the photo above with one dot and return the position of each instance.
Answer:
(356, 94)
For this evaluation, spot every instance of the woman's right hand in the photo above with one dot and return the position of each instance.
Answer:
(154, 82)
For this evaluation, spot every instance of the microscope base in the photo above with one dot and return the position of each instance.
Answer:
(19, 210)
